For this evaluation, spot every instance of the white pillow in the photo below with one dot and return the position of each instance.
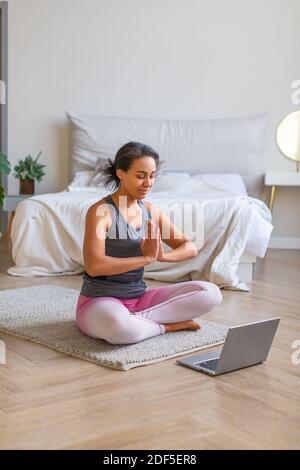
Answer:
(83, 189)
(233, 145)
(91, 140)
(90, 178)
(172, 181)
(82, 178)
(180, 182)
(229, 182)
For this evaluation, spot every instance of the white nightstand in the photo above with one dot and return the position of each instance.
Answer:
(10, 204)
(275, 179)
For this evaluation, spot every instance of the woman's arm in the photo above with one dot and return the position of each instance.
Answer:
(108, 265)
(183, 252)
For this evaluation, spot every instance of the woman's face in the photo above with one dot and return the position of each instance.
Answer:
(139, 179)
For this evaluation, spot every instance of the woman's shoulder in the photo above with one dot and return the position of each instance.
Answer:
(100, 208)
(99, 203)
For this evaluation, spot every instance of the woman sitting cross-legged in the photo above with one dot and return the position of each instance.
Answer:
(122, 235)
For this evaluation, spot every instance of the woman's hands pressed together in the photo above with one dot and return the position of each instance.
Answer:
(151, 244)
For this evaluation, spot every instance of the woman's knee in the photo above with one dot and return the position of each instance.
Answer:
(121, 333)
(214, 293)
(98, 321)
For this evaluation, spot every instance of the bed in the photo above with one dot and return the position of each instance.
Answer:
(211, 180)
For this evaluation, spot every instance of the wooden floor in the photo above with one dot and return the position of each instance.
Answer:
(53, 401)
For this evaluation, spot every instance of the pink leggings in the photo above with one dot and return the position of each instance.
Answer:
(125, 321)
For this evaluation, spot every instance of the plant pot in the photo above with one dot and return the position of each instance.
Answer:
(26, 186)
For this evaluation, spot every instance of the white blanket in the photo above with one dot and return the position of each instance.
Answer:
(48, 230)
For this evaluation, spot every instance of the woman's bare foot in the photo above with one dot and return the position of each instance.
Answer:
(184, 325)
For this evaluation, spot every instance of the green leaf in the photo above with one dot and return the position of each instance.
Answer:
(4, 164)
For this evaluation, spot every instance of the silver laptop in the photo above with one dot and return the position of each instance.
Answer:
(244, 346)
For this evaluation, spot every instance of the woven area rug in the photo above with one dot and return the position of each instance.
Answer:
(45, 314)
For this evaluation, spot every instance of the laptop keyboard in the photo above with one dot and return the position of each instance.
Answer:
(211, 364)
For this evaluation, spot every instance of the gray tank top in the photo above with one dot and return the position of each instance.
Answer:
(122, 241)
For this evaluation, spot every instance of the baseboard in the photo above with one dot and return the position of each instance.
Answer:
(285, 243)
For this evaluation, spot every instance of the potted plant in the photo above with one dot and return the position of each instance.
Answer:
(27, 171)
(4, 169)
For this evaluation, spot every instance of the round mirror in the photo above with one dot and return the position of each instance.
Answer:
(288, 136)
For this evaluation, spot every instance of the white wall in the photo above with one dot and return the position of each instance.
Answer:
(149, 58)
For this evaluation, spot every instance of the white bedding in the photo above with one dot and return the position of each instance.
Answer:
(48, 230)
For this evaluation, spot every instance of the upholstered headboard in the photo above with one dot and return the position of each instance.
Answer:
(194, 146)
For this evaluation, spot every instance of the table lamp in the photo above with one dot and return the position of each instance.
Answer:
(288, 137)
